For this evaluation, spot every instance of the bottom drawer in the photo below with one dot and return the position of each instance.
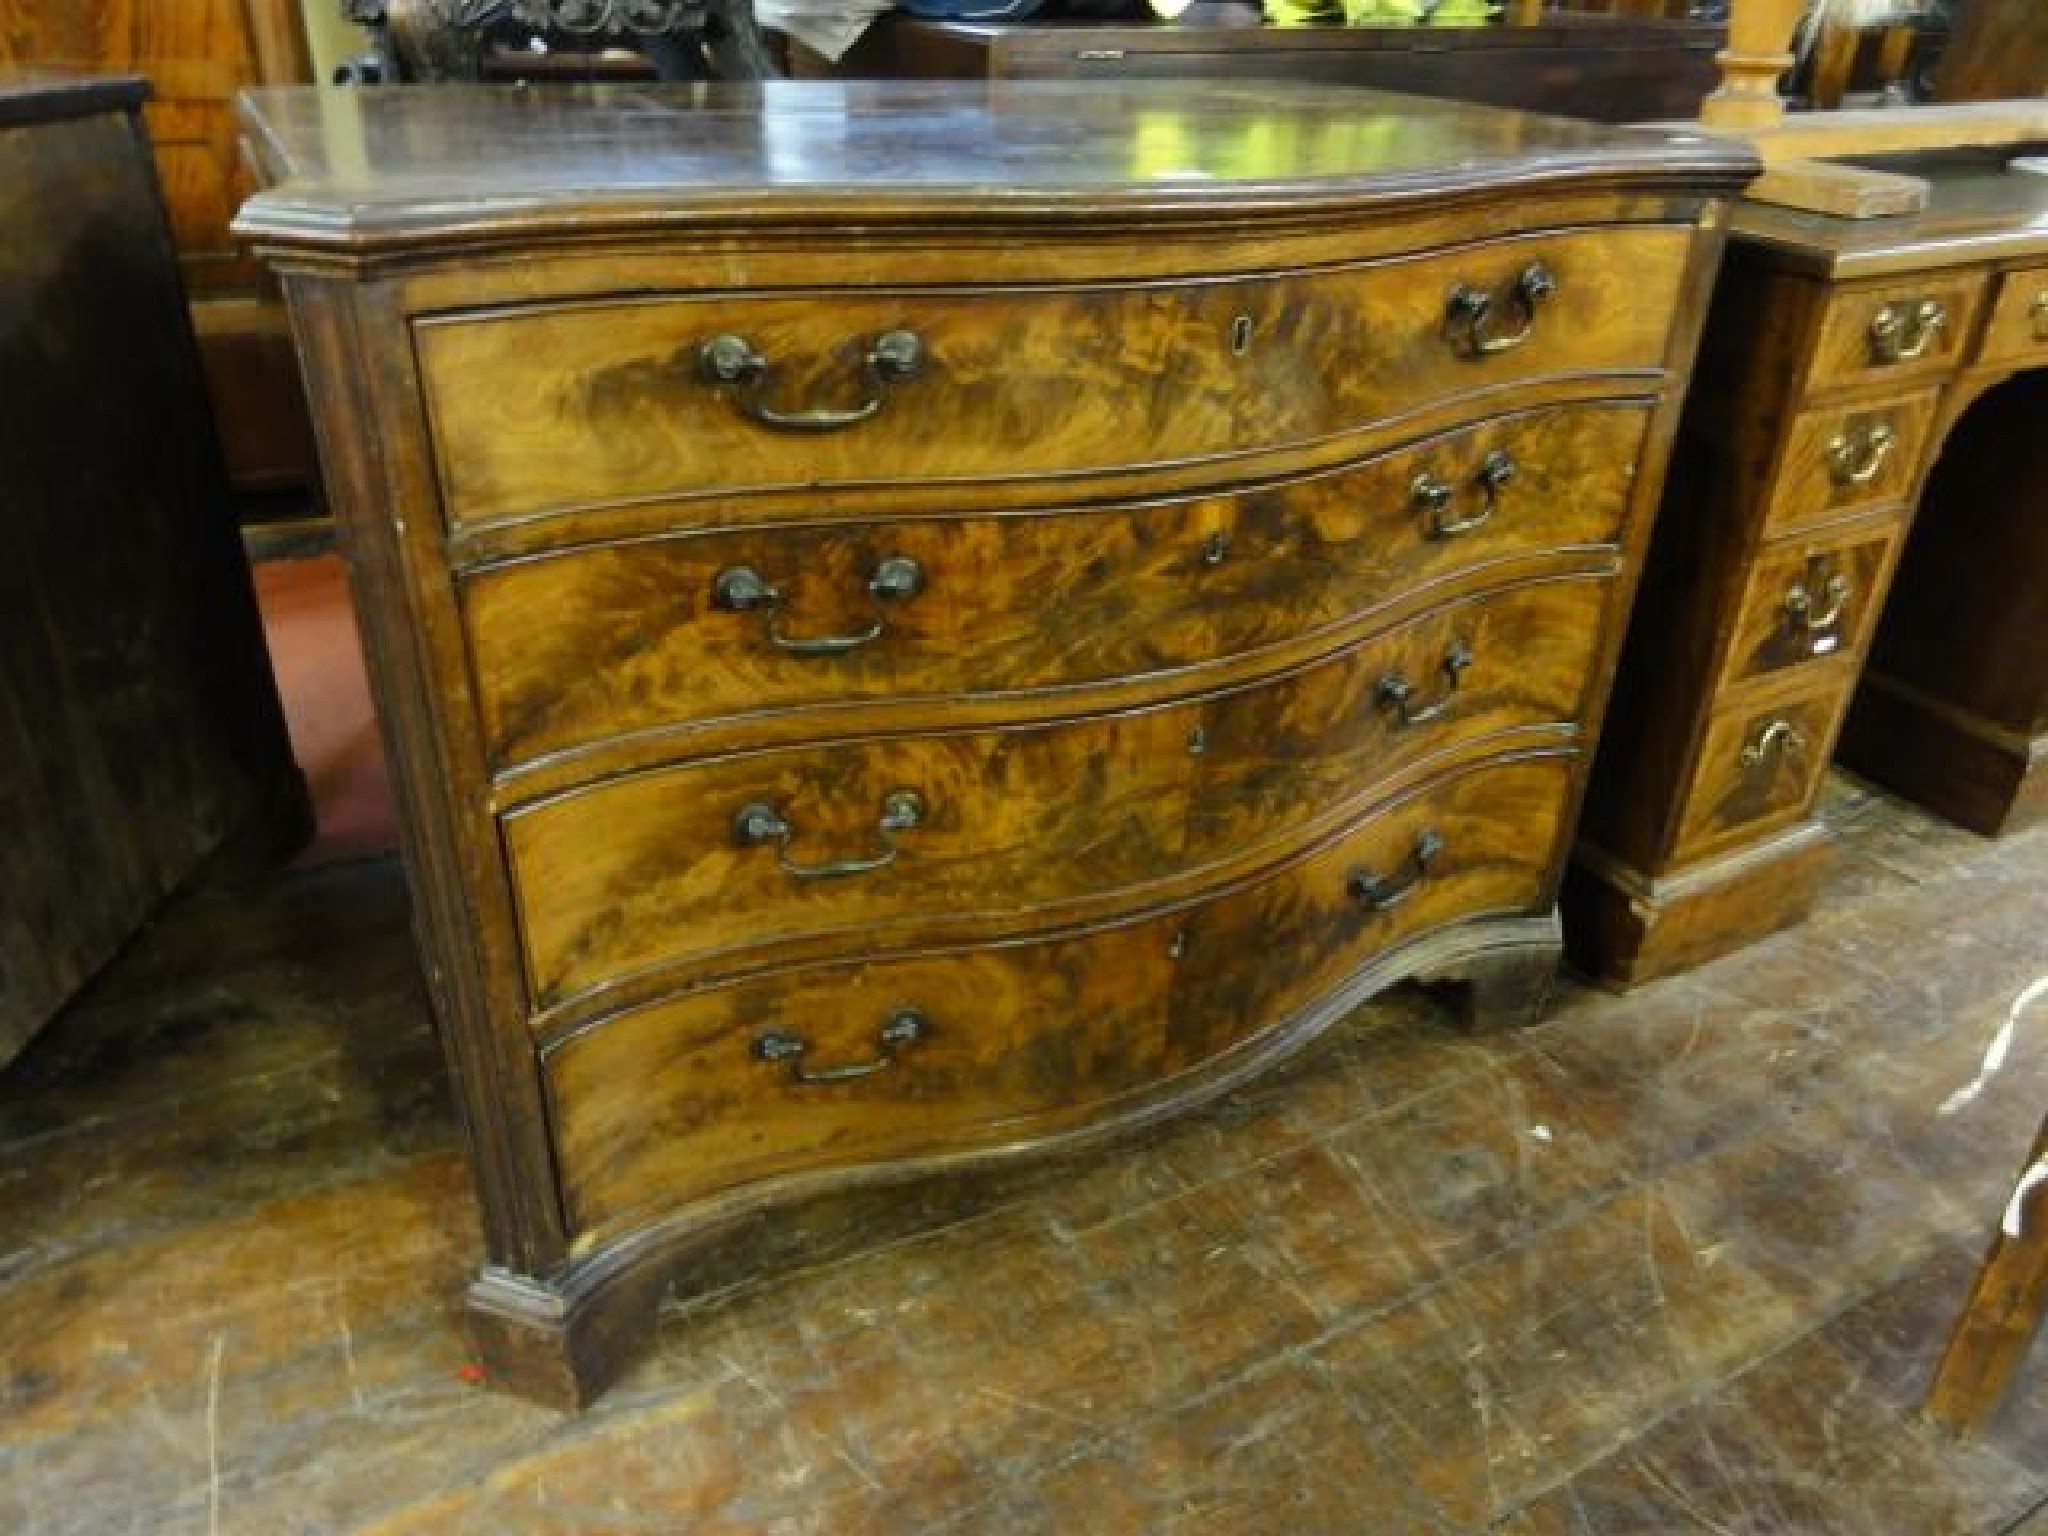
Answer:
(1757, 771)
(867, 1062)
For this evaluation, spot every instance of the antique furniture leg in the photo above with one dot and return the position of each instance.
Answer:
(2003, 1314)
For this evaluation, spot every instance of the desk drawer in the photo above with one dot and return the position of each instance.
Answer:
(577, 405)
(1842, 460)
(1758, 770)
(637, 639)
(836, 843)
(1812, 598)
(923, 1056)
(1905, 328)
(2017, 331)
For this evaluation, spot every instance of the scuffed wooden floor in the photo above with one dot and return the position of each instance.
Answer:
(1674, 1262)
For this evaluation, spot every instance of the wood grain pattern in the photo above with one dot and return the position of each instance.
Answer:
(645, 872)
(613, 403)
(1847, 351)
(1996, 52)
(1809, 598)
(1758, 768)
(593, 646)
(1824, 450)
(1785, 484)
(529, 357)
(667, 1105)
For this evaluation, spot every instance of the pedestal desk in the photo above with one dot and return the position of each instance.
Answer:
(919, 623)
(1840, 358)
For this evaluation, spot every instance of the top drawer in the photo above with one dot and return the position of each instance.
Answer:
(1904, 328)
(2018, 328)
(567, 406)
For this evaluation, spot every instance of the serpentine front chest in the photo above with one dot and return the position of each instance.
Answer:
(922, 623)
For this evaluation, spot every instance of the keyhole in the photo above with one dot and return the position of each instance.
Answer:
(1198, 741)
(1215, 548)
(1240, 335)
(1177, 945)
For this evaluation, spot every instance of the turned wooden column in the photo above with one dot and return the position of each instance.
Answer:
(1758, 52)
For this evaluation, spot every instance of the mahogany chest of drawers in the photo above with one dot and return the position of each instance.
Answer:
(921, 623)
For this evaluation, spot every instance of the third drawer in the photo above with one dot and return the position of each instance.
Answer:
(839, 843)
(870, 1061)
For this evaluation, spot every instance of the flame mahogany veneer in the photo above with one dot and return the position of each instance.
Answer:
(923, 623)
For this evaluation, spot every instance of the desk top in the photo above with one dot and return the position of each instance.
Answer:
(362, 170)
(1978, 210)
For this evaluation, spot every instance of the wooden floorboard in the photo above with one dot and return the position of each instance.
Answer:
(1675, 1261)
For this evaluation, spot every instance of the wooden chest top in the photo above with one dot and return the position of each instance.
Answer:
(358, 171)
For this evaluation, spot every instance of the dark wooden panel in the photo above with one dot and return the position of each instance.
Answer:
(1610, 70)
(143, 727)
(648, 870)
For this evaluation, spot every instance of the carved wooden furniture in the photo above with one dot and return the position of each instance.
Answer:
(440, 40)
(140, 735)
(917, 625)
(1837, 356)
(196, 55)
(1611, 69)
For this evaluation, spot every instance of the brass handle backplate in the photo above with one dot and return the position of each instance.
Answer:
(1780, 736)
(1433, 498)
(732, 360)
(1472, 314)
(1857, 457)
(742, 589)
(760, 824)
(1396, 694)
(1817, 614)
(1380, 892)
(1905, 328)
(906, 1026)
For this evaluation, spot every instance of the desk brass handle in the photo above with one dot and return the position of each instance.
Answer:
(1906, 328)
(1379, 893)
(1433, 497)
(1857, 458)
(1394, 692)
(2037, 312)
(1780, 736)
(1806, 612)
(760, 824)
(1469, 317)
(742, 589)
(729, 359)
(906, 1026)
